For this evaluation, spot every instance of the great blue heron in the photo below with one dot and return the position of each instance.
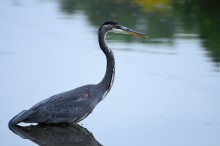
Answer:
(73, 106)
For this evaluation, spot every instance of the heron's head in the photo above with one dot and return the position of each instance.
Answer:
(115, 27)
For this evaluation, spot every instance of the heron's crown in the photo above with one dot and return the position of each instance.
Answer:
(111, 23)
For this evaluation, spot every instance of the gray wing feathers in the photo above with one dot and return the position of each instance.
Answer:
(65, 107)
(17, 119)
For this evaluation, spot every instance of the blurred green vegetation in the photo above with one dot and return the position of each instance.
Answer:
(162, 19)
(202, 18)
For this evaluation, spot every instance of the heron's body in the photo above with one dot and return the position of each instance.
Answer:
(75, 105)
(68, 107)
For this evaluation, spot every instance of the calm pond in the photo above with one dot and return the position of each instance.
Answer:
(166, 89)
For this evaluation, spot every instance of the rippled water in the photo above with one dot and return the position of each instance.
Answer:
(166, 90)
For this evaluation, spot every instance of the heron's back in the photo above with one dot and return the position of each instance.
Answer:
(67, 107)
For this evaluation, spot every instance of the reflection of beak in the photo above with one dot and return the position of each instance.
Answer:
(132, 32)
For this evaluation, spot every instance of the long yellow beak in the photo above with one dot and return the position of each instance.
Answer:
(132, 32)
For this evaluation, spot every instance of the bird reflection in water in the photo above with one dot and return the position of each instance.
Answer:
(56, 135)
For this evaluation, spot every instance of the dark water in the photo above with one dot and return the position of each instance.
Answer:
(166, 90)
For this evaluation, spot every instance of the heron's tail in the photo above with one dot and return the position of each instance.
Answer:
(18, 118)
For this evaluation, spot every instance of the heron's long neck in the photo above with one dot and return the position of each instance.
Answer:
(108, 79)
